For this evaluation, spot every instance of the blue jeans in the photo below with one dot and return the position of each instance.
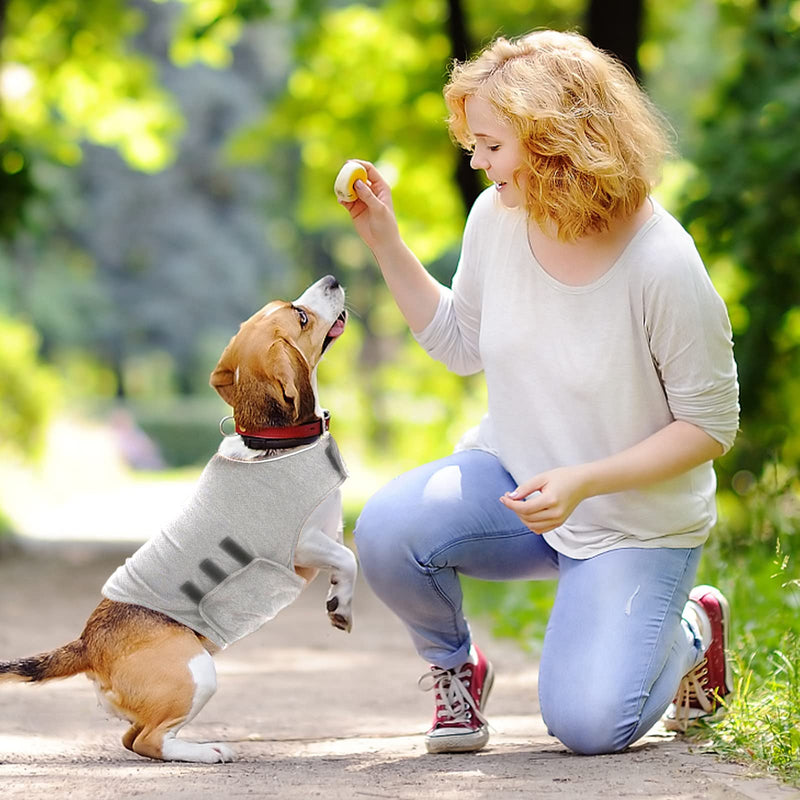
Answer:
(615, 649)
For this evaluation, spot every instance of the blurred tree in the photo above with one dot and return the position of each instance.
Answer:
(742, 206)
(68, 73)
(121, 221)
(183, 255)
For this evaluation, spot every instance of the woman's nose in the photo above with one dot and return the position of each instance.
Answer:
(477, 161)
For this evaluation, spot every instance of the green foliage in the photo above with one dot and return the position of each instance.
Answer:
(186, 432)
(751, 555)
(368, 85)
(69, 73)
(5, 528)
(742, 208)
(391, 408)
(517, 610)
(757, 512)
(122, 263)
(28, 390)
(16, 185)
(351, 97)
(207, 30)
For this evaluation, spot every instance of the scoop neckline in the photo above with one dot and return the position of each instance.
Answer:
(616, 265)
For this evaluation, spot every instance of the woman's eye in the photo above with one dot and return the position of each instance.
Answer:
(302, 316)
(494, 148)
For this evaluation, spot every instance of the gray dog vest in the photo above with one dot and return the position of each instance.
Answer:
(224, 565)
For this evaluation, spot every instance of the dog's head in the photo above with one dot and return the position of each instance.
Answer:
(266, 373)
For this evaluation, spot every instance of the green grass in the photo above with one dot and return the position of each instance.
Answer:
(760, 727)
(762, 723)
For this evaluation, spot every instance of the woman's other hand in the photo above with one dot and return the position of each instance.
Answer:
(545, 501)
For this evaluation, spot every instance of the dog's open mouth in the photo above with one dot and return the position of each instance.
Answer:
(337, 329)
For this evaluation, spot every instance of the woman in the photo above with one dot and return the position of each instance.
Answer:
(612, 386)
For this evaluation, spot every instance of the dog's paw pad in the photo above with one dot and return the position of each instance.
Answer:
(341, 622)
(332, 604)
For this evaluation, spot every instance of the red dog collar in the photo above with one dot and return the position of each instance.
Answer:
(292, 436)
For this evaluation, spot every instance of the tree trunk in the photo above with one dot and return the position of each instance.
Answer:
(616, 26)
(3, 8)
(467, 180)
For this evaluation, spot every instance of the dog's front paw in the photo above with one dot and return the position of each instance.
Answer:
(339, 613)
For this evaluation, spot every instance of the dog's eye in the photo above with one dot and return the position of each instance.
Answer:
(302, 316)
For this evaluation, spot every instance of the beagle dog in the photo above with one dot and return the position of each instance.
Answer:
(264, 519)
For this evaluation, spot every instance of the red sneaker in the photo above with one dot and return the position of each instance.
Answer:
(704, 686)
(458, 724)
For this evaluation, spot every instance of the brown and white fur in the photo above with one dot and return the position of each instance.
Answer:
(152, 670)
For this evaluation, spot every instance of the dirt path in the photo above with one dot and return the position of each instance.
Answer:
(311, 712)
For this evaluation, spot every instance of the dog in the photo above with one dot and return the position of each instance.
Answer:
(183, 596)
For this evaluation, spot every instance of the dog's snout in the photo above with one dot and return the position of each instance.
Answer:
(330, 282)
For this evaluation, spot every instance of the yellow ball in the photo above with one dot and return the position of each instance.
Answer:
(351, 172)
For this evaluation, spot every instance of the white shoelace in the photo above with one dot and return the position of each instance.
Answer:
(458, 705)
(693, 687)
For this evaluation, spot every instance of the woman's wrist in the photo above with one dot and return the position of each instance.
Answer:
(589, 479)
(389, 248)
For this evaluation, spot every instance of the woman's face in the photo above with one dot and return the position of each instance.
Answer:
(497, 150)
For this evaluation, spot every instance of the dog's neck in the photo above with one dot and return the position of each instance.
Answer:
(236, 448)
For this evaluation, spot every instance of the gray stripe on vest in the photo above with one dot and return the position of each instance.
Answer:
(214, 570)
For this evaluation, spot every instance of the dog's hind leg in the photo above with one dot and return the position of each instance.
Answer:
(130, 735)
(160, 689)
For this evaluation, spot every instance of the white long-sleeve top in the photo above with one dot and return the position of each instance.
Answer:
(578, 373)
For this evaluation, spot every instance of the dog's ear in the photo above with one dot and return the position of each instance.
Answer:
(223, 378)
(291, 379)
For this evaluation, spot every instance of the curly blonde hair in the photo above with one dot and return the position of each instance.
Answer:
(594, 142)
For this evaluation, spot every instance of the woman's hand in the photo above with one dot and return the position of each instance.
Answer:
(545, 501)
(415, 291)
(373, 213)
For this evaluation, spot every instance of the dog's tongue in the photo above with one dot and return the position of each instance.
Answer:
(337, 329)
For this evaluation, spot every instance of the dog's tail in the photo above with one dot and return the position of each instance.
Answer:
(63, 662)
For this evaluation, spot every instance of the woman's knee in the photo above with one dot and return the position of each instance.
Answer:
(419, 518)
(588, 722)
(588, 736)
